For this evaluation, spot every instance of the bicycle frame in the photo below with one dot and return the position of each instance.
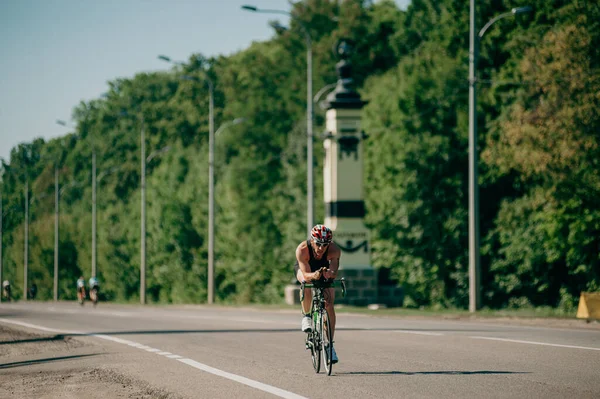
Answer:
(320, 339)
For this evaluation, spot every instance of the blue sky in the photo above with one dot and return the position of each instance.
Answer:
(56, 53)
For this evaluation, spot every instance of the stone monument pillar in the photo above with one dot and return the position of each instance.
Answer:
(343, 192)
(343, 184)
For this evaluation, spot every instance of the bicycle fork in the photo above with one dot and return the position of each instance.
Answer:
(313, 340)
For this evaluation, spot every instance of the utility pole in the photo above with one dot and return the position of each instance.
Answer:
(56, 205)
(1, 243)
(26, 244)
(310, 200)
(211, 194)
(143, 220)
(94, 248)
(474, 255)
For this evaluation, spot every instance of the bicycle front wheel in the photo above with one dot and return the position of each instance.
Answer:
(315, 342)
(326, 341)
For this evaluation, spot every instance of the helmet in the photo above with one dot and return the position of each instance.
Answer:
(321, 234)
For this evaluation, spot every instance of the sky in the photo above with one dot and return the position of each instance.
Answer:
(57, 53)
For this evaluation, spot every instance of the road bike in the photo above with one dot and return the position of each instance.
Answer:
(320, 339)
(94, 295)
(6, 293)
(81, 296)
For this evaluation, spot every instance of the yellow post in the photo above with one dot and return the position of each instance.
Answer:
(589, 305)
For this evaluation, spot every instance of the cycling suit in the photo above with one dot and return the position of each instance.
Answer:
(80, 285)
(315, 264)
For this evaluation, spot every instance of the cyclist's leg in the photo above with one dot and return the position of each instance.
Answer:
(329, 294)
(306, 303)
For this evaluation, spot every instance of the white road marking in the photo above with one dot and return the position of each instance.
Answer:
(200, 366)
(417, 332)
(243, 380)
(164, 353)
(176, 315)
(537, 343)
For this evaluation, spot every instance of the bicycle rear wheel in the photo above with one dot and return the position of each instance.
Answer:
(326, 342)
(94, 296)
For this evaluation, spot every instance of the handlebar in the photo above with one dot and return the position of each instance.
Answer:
(323, 284)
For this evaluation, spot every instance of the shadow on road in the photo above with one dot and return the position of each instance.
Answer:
(445, 372)
(216, 331)
(47, 360)
(59, 337)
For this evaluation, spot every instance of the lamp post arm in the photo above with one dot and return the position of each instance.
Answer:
(491, 21)
(309, 111)
(269, 11)
(223, 127)
(289, 14)
(323, 90)
(157, 153)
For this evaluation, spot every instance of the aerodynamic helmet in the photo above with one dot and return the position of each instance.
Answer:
(321, 234)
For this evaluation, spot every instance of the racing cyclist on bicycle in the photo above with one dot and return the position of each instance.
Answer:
(318, 259)
(80, 289)
(93, 283)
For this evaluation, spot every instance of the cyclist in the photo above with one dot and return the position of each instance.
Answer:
(6, 289)
(93, 283)
(81, 289)
(33, 291)
(318, 259)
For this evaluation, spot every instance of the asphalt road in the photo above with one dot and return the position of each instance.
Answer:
(219, 352)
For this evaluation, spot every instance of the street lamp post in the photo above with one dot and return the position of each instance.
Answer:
(211, 179)
(143, 219)
(474, 259)
(2, 214)
(211, 209)
(1, 242)
(145, 160)
(26, 246)
(211, 194)
(94, 220)
(25, 236)
(55, 291)
(94, 231)
(309, 113)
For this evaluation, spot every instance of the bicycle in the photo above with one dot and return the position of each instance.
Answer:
(320, 339)
(81, 296)
(94, 295)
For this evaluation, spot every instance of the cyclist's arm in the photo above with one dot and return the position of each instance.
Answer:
(303, 257)
(334, 261)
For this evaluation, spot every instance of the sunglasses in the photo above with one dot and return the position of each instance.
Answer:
(320, 246)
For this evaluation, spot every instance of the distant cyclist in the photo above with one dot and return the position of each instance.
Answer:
(93, 283)
(318, 259)
(94, 287)
(33, 291)
(81, 290)
(6, 289)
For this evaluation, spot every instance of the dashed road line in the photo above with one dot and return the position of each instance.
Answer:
(417, 332)
(518, 341)
(197, 365)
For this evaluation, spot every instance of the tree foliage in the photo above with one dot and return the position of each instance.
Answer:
(538, 84)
